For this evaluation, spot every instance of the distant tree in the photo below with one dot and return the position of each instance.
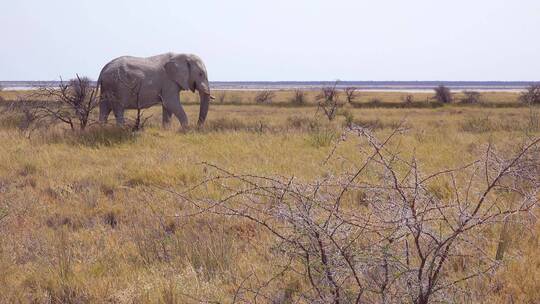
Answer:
(408, 98)
(351, 93)
(443, 94)
(264, 96)
(299, 97)
(531, 95)
(471, 97)
(328, 100)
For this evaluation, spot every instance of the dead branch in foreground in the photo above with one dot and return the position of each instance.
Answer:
(385, 231)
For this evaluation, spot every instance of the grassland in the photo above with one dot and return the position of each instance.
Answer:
(90, 217)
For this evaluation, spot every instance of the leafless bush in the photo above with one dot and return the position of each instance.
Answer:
(443, 94)
(531, 95)
(71, 103)
(299, 98)
(384, 232)
(264, 96)
(328, 101)
(471, 97)
(408, 99)
(140, 120)
(351, 93)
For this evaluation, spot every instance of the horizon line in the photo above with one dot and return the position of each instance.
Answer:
(339, 81)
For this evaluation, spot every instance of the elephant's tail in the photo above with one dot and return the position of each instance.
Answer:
(98, 82)
(99, 88)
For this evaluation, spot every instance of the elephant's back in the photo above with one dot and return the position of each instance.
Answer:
(131, 64)
(118, 63)
(134, 62)
(126, 69)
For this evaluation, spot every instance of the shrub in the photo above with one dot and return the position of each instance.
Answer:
(351, 94)
(531, 95)
(349, 117)
(443, 94)
(329, 101)
(408, 99)
(264, 96)
(70, 103)
(322, 137)
(382, 231)
(471, 97)
(299, 98)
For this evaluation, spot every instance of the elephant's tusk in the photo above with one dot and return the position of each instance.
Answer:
(212, 97)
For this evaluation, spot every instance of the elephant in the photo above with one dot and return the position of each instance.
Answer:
(131, 82)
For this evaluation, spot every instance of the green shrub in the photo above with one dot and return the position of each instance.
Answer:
(322, 138)
(349, 117)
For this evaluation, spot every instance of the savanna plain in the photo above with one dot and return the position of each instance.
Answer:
(234, 212)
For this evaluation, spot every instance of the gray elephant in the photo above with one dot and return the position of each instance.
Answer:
(136, 83)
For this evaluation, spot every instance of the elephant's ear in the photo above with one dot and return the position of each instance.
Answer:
(179, 72)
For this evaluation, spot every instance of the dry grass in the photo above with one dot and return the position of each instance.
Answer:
(89, 217)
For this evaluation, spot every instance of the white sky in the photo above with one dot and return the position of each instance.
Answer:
(278, 40)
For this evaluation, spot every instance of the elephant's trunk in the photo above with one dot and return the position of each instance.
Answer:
(205, 103)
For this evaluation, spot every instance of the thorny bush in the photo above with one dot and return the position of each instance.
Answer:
(383, 231)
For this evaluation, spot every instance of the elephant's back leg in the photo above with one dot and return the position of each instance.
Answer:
(104, 110)
(113, 100)
(118, 110)
(166, 119)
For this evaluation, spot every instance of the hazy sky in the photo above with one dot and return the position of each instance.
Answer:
(278, 40)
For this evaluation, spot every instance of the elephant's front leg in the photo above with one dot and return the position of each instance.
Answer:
(171, 103)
